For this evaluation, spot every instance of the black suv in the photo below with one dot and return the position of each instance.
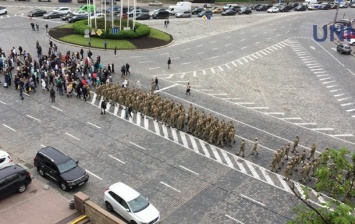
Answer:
(60, 167)
(13, 179)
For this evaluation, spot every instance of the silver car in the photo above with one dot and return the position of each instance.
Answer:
(186, 14)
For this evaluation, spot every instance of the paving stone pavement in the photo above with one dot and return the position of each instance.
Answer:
(205, 149)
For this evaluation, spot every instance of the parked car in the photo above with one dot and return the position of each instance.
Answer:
(138, 11)
(3, 10)
(263, 7)
(5, 159)
(108, 2)
(67, 16)
(344, 49)
(97, 15)
(114, 8)
(185, 14)
(197, 10)
(285, 8)
(229, 12)
(244, 10)
(352, 5)
(273, 10)
(52, 14)
(205, 13)
(143, 16)
(352, 42)
(301, 8)
(13, 179)
(36, 13)
(228, 6)
(253, 7)
(60, 167)
(313, 6)
(325, 6)
(85, 1)
(63, 10)
(217, 10)
(130, 204)
(155, 3)
(160, 15)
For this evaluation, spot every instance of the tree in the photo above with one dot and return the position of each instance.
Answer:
(336, 178)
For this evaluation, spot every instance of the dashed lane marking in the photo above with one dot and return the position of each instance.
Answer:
(141, 147)
(9, 127)
(187, 169)
(2, 102)
(58, 108)
(334, 90)
(323, 129)
(346, 104)
(92, 174)
(291, 118)
(167, 185)
(36, 119)
(116, 159)
(304, 124)
(350, 110)
(230, 217)
(252, 200)
(338, 95)
(343, 135)
(72, 136)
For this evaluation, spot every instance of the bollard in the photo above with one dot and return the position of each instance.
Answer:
(71, 204)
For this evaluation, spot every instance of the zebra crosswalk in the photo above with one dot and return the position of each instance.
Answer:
(230, 65)
(203, 148)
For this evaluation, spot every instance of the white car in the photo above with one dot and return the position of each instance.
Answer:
(63, 10)
(3, 10)
(5, 159)
(130, 204)
(273, 9)
(98, 15)
(352, 42)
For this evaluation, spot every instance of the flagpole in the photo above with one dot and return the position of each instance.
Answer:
(134, 16)
(95, 14)
(105, 13)
(121, 14)
(112, 13)
(128, 13)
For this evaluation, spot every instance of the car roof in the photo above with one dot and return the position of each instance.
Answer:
(124, 191)
(3, 154)
(54, 154)
(8, 170)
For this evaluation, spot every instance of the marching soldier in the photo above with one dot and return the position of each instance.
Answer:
(297, 161)
(163, 118)
(315, 166)
(242, 148)
(211, 136)
(274, 163)
(303, 156)
(288, 171)
(295, 144)
(313, 150)
(220, 138)
(305, 173)
(255, 146)
(287, 150)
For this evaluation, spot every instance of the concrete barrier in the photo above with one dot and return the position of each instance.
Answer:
(94, 212)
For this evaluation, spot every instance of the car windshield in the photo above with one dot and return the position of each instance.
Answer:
(346, 47)
(66, 166)
(138, 204)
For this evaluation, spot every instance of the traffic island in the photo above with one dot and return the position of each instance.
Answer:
(67, 34)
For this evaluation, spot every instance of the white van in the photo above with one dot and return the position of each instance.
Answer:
(179, 7)
(227, 6)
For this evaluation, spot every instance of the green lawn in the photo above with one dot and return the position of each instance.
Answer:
(67, 26)
(97, 42)
(157, 34)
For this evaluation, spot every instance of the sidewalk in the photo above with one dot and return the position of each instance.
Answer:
(36, 205)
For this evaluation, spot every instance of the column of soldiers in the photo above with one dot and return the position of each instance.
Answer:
(170, 113)
(298, 161)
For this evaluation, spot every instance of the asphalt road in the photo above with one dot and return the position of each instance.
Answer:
(253, 71)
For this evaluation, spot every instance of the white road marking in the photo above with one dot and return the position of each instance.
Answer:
(56, 108)
(9, 127)
(240, 62)
(331, 86)
(175, 137)
(187, 169)
(300, 190)
(329, 53)
(344, 99)
(26, 94)
(93, 99)
(284, 184)
(229, 52)
(226, 158)
(137, 145)
(72, 136)
(242, 40)
(240, 165)
(214, 49)
(322, 75)
(325, 79)
(350, 110)
(169, 186)
(202, 143)
(183, 75)
(2, 102)
(175, 58)
(268, 38)
(257, 43)
(220, 68)
(92, 174)
(337, 95)
(194, 145)
(322, 129)
(259, 108)
(316, 69)
(139, 117)
(253, 171)
(351, 72)
(291, 118)
(218, 94)
(243, 48)
(245, 103)
(36, 119)
(245, 59)
(116, 159)
(346, 104)
(135, 56)
(168, 87)
(254, 56)
(213, 57)
(315, 66)
(156, 127)
(334, 90)
(227, 37)
(93, 125)
(185, 63)
(215, 153)
(275, 113)
(186, 49)
(255, 201)
(194, 74)
(234, 219)
(200, 53)
(212, 70)
(302, 124)
(143, 62)
(154, 68)
(199, 45)
(328, 82)
(254, 35)
(203, 72)
(227, 66)
(287, 31)
(263, 53)
(267, 177)
(183, 138)
(321, 72)
(343, 135)
(115, 111)
(43, 146)
(250, 58)
(278, 35)
(165, 131)
(259, 54)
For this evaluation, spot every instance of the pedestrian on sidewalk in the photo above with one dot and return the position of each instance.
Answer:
(188, 89)
(22, 85)
(165, 24)
(33, 26)
(103, 106)
(169, 62)
(115, 51)
(46, 28)
(156, 83)
(37, 26)
(255, 147)
(105, 44)
(127, 69)
(52, 95)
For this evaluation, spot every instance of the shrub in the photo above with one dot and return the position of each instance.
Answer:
(141, 29)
